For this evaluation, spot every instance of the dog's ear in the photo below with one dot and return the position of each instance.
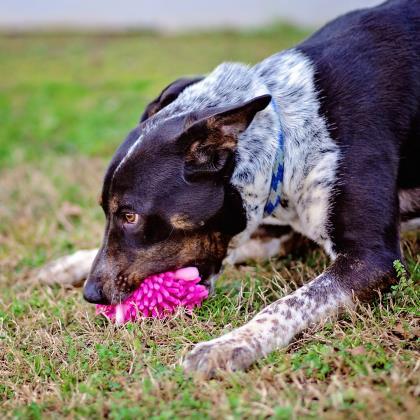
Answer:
(212, 140)
(168, 95)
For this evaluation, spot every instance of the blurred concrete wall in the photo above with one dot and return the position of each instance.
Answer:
(169, 15)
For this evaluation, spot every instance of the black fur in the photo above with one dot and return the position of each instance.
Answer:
(372, 104)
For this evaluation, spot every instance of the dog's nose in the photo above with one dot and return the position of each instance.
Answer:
(93, 293)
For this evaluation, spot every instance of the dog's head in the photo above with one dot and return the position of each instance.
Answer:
(167, 196)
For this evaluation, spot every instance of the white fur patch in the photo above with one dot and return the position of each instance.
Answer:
(409, 200)
(412, 224)
(257, 249)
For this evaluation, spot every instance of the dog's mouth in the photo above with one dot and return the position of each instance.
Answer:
(105, 288)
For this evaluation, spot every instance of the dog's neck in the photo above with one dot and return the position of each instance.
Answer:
(288, 77)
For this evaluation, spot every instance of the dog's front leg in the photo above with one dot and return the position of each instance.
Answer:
(70, 270)
(275, 326)
(272, 328)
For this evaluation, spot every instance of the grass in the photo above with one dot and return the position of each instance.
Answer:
(65, 104)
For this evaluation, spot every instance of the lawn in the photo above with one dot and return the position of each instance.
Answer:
(66, 101)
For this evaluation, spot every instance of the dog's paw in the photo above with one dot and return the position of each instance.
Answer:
(70, 270)
(208, 358)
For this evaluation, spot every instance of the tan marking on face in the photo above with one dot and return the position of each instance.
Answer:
(180, 221)
(113, 204)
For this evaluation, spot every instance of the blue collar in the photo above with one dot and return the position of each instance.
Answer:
(274, 197)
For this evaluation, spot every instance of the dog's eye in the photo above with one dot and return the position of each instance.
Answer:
(131, 218)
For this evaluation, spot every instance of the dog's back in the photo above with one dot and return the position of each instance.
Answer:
(368, 77)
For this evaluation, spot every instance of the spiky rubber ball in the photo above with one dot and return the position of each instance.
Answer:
(159, 296)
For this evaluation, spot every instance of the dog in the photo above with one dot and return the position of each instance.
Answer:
(322, 139)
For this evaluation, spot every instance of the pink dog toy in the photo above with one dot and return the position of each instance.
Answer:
(159, 295)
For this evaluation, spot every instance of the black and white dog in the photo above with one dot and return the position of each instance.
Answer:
(324, 137)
